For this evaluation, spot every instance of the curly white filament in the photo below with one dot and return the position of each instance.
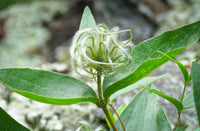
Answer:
(98, 49)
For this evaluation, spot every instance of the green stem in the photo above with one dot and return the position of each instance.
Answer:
(179, 114)
(103, 103)
(179, 119)
(99, 87)
(183, 94)
(105, 110)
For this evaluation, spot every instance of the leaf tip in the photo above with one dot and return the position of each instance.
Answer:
(87, 20)
(87, 8)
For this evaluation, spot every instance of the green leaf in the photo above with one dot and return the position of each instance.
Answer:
(143, 82)
(162, 121)
(182, 128)
(142, 114)
(198, 129)
(87, 20)
(181, 66)
(174, 101)
(47, 87)
(145, 57)
(7, 123)
(188, 101)
(196, 86)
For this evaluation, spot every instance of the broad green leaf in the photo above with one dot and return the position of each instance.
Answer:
(87, 20)
(143, 82)
(145, 56)
(47, 87)
(196, 86)
(188, 101)
(198, 129)
(142, 114)
(182, 128)
(7, 123)
(174, 101)
(163, 123)
(181, 66)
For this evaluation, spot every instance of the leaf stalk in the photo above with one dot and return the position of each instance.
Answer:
(118, 117)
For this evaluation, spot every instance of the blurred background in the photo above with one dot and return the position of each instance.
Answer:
(38, 34)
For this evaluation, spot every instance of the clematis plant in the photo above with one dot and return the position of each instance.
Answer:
(97, 53)
(97, 50)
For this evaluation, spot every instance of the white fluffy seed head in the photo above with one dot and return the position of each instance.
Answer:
(98, 49)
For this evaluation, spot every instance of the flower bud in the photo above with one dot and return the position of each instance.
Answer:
(98, 50)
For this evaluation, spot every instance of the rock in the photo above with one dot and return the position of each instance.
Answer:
(54, 125)
(32, 119)
(42, 124)
(3, 104)
(62, 53)
(75, 113)
(181, 14)
(125, 15)
(25, 33)
(17, 107)
(151, 8)
(47, 115)
(56, 67)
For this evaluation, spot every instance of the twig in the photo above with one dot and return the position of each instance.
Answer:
(118, 116)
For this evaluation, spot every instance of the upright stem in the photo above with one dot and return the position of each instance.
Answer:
(183, 93)
(105, 110)
(179, 114)
(99, 87)
(103, 103)
(179, 119)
